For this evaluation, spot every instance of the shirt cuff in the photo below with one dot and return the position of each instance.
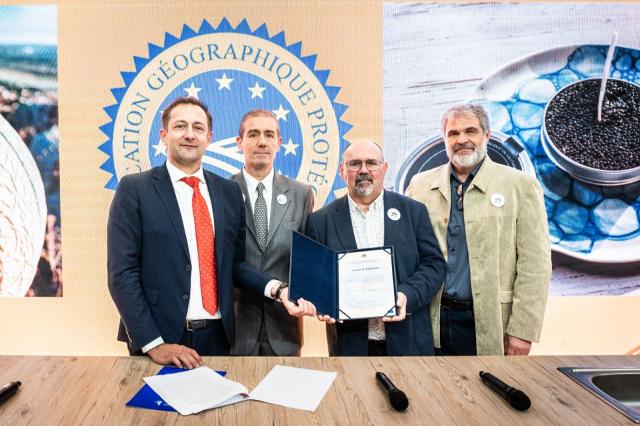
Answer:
(270, 286)
(156, 342)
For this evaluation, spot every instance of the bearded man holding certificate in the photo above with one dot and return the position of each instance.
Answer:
(370, 217)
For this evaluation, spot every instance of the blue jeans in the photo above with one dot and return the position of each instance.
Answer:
(457, 332)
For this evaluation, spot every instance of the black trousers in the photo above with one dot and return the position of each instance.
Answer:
(377, 348)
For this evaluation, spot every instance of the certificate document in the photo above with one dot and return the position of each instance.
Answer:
(366, 284)
(350, 284)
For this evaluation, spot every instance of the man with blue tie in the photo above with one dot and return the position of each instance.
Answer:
(176, 247)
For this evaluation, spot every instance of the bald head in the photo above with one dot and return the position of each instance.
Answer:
(358, 145)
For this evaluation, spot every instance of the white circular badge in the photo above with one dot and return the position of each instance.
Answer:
(497, 199)
(282, 199)
(393, 214)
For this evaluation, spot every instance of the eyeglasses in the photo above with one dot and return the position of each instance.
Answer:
(356, 165)
(460, 198)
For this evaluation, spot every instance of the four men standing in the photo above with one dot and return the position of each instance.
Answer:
(177, 247)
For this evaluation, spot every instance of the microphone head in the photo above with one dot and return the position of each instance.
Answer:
(518, 399)
(398, 400)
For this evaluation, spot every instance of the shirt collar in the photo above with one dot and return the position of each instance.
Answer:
(454, 175)
(378, 204)
(252, 183)
(176, 174)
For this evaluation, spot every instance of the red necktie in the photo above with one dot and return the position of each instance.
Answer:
(206, 243)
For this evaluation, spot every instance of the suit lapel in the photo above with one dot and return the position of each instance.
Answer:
(278, 210)
(164, 187)
(391, 227)
(217, 203)
(443, 183)
(342, 222)
(248, 208)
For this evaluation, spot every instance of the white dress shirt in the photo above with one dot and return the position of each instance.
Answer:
(184, 195)
(368, 228)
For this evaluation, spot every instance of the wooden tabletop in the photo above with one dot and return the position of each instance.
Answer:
(441, 390)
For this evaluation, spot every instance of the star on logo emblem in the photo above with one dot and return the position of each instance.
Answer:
(160, 148)
(290, 147)
(256, 91)
(192, 91)
(224, 82)
(281, 113)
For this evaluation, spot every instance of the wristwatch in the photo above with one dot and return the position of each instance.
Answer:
(281, 287)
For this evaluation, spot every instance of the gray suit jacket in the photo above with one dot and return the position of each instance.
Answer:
(284, 331)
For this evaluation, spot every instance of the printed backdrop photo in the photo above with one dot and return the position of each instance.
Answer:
(30, 243)
(82, 104)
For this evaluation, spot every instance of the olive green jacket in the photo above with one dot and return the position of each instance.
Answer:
(509, 254)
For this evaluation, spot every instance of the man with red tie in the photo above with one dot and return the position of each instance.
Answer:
(176, 247)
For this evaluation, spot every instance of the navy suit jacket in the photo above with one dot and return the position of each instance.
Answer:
(420, 270)
(148, 257)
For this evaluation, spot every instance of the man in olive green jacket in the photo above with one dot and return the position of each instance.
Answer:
(491, 225)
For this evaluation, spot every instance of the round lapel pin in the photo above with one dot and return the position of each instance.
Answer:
(497, 199)
(282, 199)
(393, 214)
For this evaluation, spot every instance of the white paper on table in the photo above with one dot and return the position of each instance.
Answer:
(196, 390)
(294, 387)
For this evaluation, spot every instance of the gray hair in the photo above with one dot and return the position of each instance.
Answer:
(476, 110)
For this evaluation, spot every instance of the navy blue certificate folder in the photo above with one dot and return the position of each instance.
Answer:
(147, 398)
(319, 287)
(314, 276)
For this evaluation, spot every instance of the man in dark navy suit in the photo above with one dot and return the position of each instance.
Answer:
(370, 217)
(176, 247)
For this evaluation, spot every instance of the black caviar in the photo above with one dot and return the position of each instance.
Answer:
(572, 124)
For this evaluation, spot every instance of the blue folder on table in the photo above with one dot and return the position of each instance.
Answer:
(147, 398)
(314, 275)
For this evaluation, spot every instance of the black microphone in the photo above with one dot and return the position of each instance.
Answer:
(396, 397)
(516, 398)
(8, 390)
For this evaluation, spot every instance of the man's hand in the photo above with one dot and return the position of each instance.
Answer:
(516, 346)
(180, 356)
(303, 308)
(401, 304)
(327, 319)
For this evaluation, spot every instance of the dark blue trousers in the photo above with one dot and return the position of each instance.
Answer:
(457, 332)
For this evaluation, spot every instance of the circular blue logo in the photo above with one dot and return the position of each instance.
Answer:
(233, 71)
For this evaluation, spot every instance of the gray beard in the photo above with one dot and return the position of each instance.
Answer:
(364, 190)
(470, 160)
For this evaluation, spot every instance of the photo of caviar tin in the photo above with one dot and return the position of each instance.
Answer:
(433, 153)
(592, 197)
(605, 152)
